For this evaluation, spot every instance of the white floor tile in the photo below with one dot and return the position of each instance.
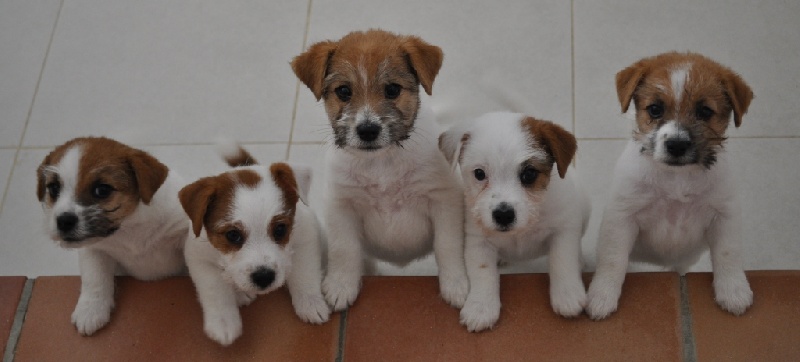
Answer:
(25, 28)
(153, 72)
(758, 39)
(6, 162)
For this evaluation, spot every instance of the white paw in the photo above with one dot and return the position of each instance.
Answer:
(601, 301)
(340, 292)
(480, 315)
(568, 300)
(91, 315)
(244, 298)
(734, 295)
(223, 327)
(311, 308)
(454, 289)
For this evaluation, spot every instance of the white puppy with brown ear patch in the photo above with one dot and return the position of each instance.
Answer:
(518, 207)
(253, 234)
(119, 206)
(390, 191)
(673, 195)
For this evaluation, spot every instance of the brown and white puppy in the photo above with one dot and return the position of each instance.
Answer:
(252, 232)
(119, 205)
(390, 191)
(673, 195)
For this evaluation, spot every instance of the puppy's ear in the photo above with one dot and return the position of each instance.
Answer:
(149, 173)
(557, 141)
(195, 199)
(41, 187)
(627, 81)
(425, 60)
(311, 65)
(294, 181)
(302, 176)
(739, 94)
(452, 143)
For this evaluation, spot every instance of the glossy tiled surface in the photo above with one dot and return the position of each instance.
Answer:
(10, 293)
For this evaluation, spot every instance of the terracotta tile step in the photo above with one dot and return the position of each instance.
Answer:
(10, 294)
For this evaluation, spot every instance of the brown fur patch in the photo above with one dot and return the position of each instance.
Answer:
(242, 158)
(283, 176)
(556, 141)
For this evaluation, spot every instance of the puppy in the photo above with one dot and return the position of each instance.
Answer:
(673, 194)
(518, 207)
(390, 193)
(119, 206)
(252, 232)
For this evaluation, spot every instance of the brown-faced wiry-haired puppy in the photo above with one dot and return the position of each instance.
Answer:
(391, 194)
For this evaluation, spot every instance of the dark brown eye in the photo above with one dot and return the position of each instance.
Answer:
(655, 111)
(235, 237)
(279, 232)
(528, 175)
(54, 189)
(704, 113)
(392, 91)
(479, 174)
(344, 93)
(102, 191)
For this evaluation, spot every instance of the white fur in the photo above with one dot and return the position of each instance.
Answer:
(223, 280)
(147, 246)
(395, 204)
(670, 215)
(551, 225)
(678, 77)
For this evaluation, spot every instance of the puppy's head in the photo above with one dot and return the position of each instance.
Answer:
(88, 186)
(249, 215)
(683, 106)
(370, 82)
(506, 163)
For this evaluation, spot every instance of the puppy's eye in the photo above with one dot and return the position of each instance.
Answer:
(704, 113)
(479, 174)
(655, 111)
(528, 175)
(235, 237)
(54, 189)
(392, 91)
(279, 231)
(344, 93)
(102, 191)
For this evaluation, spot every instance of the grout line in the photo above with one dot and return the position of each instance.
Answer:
(19, 319)
(30, 109)
(572, 56)
(689, 347)
(342, 332)
(297, 83)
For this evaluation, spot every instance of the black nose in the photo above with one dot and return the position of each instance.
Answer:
(263, 277)
(66, 222)
(503, 215)
(677, 148)
(368, 132)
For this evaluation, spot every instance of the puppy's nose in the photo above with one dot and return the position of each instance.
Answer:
(263, 277)
(368, 132)
(677, 148)
(66, 222)
(504, 214)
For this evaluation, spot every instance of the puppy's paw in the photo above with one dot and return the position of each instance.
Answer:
(601, 301)
(223, 327)
(339, 292)
(734, 295)
(244, 298)
(91, 315)
(454, 289)
(480, 315)
(568, 301)
(311, 308)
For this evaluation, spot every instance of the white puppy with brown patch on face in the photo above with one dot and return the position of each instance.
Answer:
(673, 195)
(390, 192)
(518, 207)
(119, 207)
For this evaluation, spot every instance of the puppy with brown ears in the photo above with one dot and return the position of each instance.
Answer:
(673, 194)
(390, 191)
(252, 232)
(119, 206)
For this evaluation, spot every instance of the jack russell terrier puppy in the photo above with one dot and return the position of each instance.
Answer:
(252, 232)
(119, 206)
(390, 192)
(673, 194)
(518, 207)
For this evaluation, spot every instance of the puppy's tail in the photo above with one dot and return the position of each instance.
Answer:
(234, 154)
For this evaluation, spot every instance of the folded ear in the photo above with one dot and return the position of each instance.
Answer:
(425, 60)
(294, 182)
(195, 199)
(452, 143)
(302, 176)
(311, 65)
(739, 94)
(557, 141)
(149, 173)
(627, 81)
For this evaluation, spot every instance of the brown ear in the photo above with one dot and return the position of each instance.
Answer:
(283, 175)
(40, 179)
(149, 173)
(739, 94)
(627, 81)
(195, 199)
(311, 65)
(425, 60)
(558, 142)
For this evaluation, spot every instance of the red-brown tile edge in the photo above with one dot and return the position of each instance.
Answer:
(14, 295)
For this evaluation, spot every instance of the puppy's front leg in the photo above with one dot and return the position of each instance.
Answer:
(343, 281)
(305, 280)
(96, 300)
(617, 235)
(221, 319)
(482, 308)
(731, 288)
(448, 247)
(567, 293)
